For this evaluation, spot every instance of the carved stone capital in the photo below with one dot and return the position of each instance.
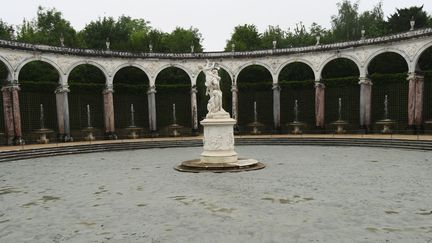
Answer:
(319, 84)
(234, 88)
(276, 87)
(415, 76)
(108, 89)
(11, 86)
(64, 88)
(365, 81)
(194, 90)
(151, 90)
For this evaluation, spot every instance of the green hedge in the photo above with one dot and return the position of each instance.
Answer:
(378, 79)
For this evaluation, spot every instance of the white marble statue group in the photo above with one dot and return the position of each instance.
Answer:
(214, 106)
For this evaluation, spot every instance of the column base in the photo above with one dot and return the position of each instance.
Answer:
(111, 136)
(365, 129)
(236, 129)
(276, 130)
(415, 129)
(154, 134)
(64, 138)
(18, 141)
(195, 132)
(320, 130)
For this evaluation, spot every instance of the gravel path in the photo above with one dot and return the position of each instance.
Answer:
(306, 194)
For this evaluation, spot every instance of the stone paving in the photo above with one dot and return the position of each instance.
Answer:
(426, 137)
(305, 194)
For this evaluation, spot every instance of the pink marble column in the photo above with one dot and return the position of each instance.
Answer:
(365, 102)
(415, 100)
(12, 114)
(16, 113)
(109, 113)
(319, 104)
(8, 115)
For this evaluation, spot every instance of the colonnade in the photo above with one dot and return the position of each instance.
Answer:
(409, 45)
(12, 118)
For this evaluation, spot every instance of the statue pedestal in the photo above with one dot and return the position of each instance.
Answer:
(219, 141)
(219, 155)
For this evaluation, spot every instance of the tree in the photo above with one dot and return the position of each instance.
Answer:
(299, 36)
(400, 21)
(47, 28)
(273, 33)
(4, 30)
(180, 40)
(373, 21)
(345, 24)
(245, 38)
(118, 32)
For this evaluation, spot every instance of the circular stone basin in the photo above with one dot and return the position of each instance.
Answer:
(305, 194)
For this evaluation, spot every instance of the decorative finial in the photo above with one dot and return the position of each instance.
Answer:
(150, 48)
(233, 47)
(62, 40)
(274, 44)
(192, 48)
(363, 32)
(318, 38)
(412, 23)
(107, 43)
(11, 33)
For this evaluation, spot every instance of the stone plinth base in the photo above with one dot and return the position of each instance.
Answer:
(218, 141)
(219, 155)
(197, 166)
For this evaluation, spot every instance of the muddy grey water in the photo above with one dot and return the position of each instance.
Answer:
(305, 194)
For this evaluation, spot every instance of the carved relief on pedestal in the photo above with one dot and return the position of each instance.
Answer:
(219, 139)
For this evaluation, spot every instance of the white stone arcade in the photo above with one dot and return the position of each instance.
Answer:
(410, 45)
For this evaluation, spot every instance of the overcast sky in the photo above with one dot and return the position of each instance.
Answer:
(215, 19)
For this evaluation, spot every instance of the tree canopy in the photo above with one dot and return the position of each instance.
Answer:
(346, 25)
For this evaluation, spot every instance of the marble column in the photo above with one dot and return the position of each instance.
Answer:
(234, 92)
(415, 100)
(365, 102)
(62, 104)
(8, 116)
(151, 97)
(194, 110)
(319, 104)
(12, 113)
(109, 112)
(276, 107)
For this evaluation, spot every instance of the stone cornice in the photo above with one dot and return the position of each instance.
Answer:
(211, 55)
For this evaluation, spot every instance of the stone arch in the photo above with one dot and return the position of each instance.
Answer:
(7, 65)
(290, 92)
(251, 63)
(125, 65)
(337, 56)
(42, 59)
(387, 69)
(340, 74)
(382, 51)
(175, 65)
(418, 55)
(85, 62)
(251, 88)
(286, 63)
